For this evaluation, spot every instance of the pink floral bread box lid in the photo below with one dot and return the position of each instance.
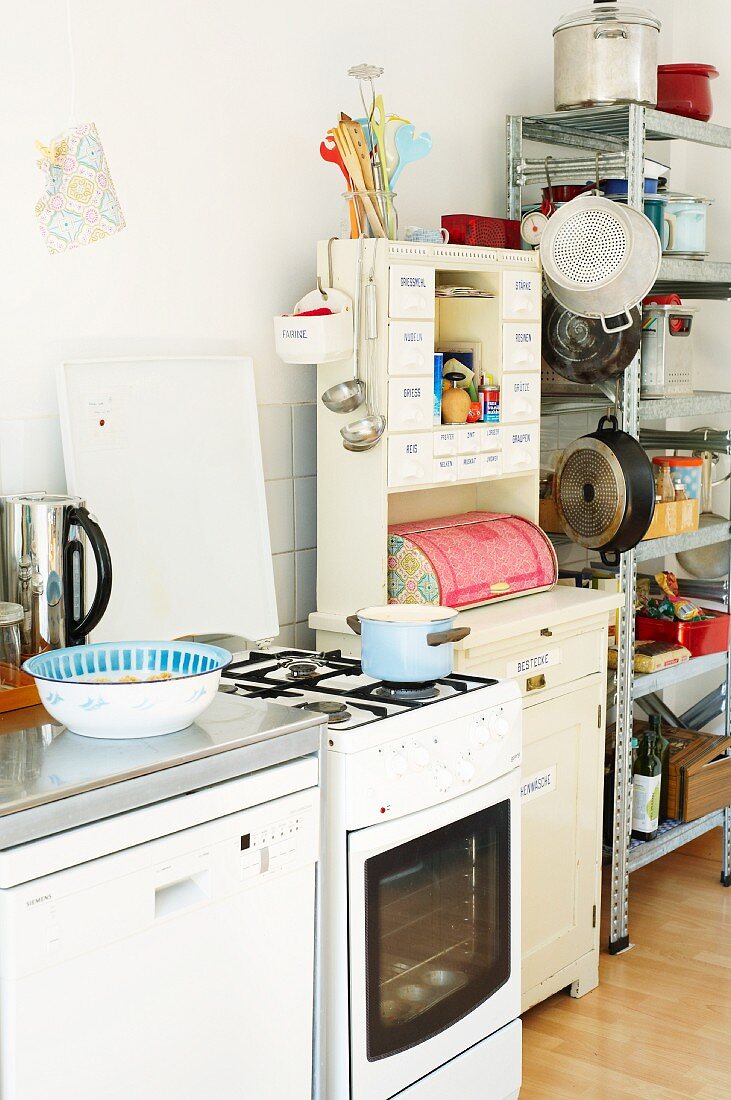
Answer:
(468, 560)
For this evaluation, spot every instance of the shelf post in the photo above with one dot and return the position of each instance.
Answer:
(630, 398)
(515, 155)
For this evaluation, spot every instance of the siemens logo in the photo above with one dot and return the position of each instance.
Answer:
(37, 901)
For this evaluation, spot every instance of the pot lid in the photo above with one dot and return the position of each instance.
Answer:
(407, 614)
(678, 196)
(690, 70)
(10, 614)
(606, 13)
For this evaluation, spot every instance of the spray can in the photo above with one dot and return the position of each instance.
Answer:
(492, 400)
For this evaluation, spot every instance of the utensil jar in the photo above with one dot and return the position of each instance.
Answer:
(604, 55)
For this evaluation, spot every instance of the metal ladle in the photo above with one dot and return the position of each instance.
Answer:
(365, 433)
(345, 397)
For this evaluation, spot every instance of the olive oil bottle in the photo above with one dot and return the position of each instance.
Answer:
(646, 782)
(662, 748)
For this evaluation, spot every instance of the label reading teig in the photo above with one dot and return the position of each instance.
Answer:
(534, 662)
(543, 782)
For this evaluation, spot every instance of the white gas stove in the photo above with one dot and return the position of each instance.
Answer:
(422, 864)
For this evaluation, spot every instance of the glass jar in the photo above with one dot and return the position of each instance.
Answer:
(367, 210)
(11, 616)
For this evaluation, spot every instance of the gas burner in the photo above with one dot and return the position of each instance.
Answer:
(336, 712)
(300, 670)
(406, 692)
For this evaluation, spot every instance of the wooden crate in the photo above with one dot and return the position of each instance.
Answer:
(699, 779)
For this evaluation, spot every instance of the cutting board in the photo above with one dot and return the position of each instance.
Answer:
(166, 454)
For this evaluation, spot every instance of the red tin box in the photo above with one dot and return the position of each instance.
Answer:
(700, 638)
(485, 232)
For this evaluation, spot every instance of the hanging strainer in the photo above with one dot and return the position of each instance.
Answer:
(600, 259)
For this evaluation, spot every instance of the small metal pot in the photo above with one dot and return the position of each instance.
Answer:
(604, 55)
(407, 643)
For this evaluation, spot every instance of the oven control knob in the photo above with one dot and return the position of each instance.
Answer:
(419, 756)
(465, 770)
(499, 725)
(399, 764)
(481, 731)
(442, 778)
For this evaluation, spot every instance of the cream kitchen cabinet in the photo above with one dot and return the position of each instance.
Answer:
(554, 644)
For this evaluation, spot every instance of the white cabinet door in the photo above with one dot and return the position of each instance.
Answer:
(411, 347)
(563, 754)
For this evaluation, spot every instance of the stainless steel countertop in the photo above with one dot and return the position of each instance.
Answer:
(51, 779)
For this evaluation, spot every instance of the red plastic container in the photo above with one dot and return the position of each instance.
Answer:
(686, 90)
(485, 232)
(699, 638)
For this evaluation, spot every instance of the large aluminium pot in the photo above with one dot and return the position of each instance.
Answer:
(605, 491)
(407, 643)
(604, 55)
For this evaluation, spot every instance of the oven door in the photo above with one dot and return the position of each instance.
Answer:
(434, 922)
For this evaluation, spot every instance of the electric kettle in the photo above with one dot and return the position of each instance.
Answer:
(43, 566)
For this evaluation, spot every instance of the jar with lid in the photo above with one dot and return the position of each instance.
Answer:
(11, 616)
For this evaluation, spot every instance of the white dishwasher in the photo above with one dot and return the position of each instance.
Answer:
(166, 953)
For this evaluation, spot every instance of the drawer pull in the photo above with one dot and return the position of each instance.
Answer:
(546, 633)
(535, 682)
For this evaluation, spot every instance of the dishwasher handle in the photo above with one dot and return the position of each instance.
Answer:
(182, 894)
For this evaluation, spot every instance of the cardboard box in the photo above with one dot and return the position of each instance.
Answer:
(699, 779)
(674, 518)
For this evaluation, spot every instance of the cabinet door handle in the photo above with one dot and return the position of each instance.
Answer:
(533, 683)
(546, 633)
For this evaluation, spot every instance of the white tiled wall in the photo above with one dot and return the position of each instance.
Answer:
(289, 453)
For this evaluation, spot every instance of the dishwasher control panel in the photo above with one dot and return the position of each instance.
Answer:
(274, 847)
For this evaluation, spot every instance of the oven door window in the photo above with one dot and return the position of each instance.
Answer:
(437, 929)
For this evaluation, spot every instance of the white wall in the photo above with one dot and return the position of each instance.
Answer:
(211, 114)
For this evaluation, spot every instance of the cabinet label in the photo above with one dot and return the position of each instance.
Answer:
(543, 782)
(536, 662)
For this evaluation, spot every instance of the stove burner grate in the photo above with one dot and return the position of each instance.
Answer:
(334, 711)
(415, 693)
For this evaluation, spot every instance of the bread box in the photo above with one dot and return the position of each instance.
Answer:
(468, 560)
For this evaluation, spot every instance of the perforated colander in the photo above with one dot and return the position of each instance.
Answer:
(600, 259)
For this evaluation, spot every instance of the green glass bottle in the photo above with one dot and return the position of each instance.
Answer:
(646, 782)
(662, 748)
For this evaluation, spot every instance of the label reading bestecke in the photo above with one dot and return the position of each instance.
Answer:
(536, 662)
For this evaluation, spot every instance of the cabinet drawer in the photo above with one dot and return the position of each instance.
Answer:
(520, 448)
(521, 347)
(521, 397)
(446, 468)
(410, 459)
(411, 291)
(411, 347)
(469, 466)
(492, 464)
(538, 663)
(522, 295)
(445, 442)
(410, 403)
(490, 438)
(469, 440)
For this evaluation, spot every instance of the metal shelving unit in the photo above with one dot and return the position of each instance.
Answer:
(621, 135)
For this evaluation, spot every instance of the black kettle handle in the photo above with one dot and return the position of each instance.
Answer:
(103, 559)
(611, 420)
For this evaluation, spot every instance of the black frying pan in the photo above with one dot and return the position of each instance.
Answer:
(605, 491)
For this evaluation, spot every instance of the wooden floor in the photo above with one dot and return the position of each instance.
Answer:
(659, 1025)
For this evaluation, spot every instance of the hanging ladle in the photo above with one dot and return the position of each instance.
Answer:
(365, 433)
(345, 397)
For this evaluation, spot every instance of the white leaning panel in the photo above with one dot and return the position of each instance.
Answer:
(166, 454)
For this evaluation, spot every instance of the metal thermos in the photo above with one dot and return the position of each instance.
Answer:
(43, 562)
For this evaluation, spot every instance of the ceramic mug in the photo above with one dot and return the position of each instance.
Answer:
(426, 236)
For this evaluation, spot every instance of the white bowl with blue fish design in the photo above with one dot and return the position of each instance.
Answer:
(128, 689)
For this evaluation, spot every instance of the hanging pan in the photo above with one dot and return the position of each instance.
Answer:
(600, 259)
(580, 348)
(605, 491)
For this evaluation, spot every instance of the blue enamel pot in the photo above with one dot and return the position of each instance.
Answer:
(407, 643)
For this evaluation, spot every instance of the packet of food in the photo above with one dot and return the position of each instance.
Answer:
(684, 610)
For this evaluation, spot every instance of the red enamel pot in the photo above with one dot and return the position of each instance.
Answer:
(686, 90)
